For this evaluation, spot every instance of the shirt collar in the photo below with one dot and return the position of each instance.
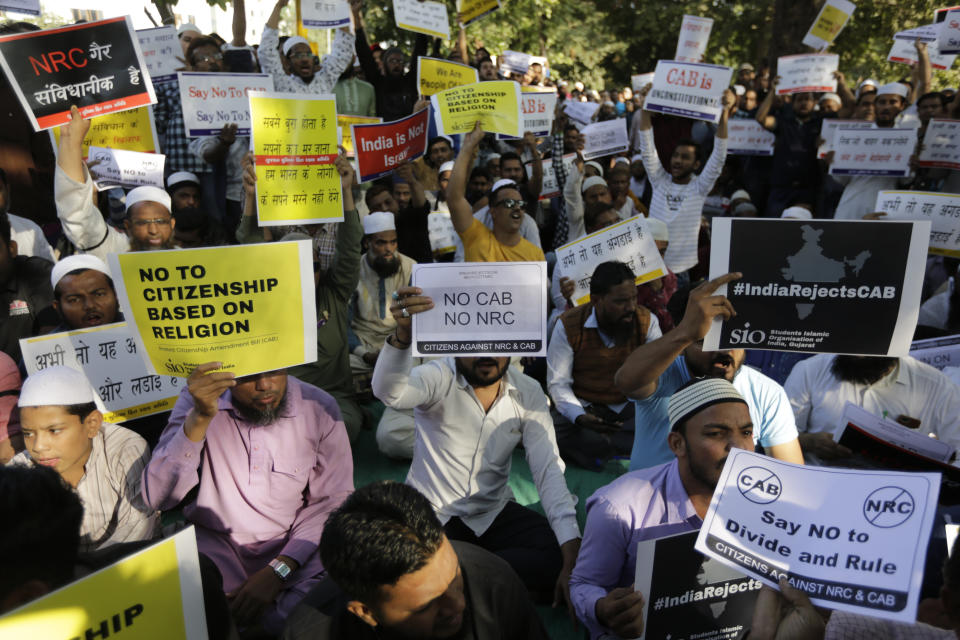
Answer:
(293, 401)
(679, 505)
(507, 384)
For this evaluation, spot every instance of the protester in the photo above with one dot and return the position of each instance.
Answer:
(656, 294)
(439, 152)
(184, 188)
(11, 437)
(83, 293)
(25, 232)
(355, 97)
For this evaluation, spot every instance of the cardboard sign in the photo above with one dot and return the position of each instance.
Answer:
(816, 283)
(469, 11)
(514, 62)
(551, 186)
(694, 36)
(28, 7)
(941, 145)
(832, 18)
(108, 357)
(324, 14)
(605, 138)
(381, 148)
(640, 80)
(495, 105)
(690, 595)
(422, 17)
(948, 39)
(115, 167)
(897, 435)
(925, 33)
(160, 47)
(689, 90)
(250, 307)
(154, 593)
(941, 209)
(905, 52)
(344, 134)
(133, 130)
(295, 144)
(748, 138)
(836, 534)
(482, 309)
(873, 152)
(629, 241)
(435, 75)
(213, 100)
(828, 129)
(811, 73)
(96, 66)
(536, 111)
(939, 353)
(580, 112)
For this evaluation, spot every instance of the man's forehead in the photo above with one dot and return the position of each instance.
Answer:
(86, 278)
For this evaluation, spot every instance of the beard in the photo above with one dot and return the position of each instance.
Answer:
(262, 417)
(717, 367)
(474, 379)
(385, 267)
(619, 330)
(861, 369)
(137, 246)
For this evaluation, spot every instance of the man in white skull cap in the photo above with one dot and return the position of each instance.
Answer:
(186, 33)
(83, 293)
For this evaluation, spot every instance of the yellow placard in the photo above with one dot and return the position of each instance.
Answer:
(346, 137)
(472, 10)
(496, 105)
(141, 597)
(250, 307)
(435, 75)
(132, 130)
(831, 21)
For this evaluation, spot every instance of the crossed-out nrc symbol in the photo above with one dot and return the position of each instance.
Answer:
(759, 485)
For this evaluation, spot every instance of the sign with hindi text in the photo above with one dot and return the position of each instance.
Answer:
(748, 138)
(873, 152)
(832, 18)
(605, 138)
(423, 16)
(381, 148)
(213, 100)
(132, 130)
(469, 11)
(495, 105)
(115, 167)
(694, 36)
(324, 14)
(435, 75)
(829, 127)
(941, 145)
(941, 209)
(160, 47)
(688, 89)
(807, 73)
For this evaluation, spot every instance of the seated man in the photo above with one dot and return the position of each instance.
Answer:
(392, 572)
(83, 293)
(708, 418)
(904, 389)
(588, 344)
(413, 238)
(63, 430)
(270, 458)
(653, 372)
(471, 413)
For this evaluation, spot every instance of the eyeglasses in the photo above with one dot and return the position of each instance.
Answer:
(216, 57)
(160, 222)
(301, 55)
(510, 203)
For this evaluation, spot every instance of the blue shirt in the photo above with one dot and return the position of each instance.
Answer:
(770, 410)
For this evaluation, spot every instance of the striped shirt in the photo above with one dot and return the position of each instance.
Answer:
(680, 205)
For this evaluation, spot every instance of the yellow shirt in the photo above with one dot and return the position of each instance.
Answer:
(480, 245)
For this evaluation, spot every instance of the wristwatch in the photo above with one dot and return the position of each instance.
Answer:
(281, 568)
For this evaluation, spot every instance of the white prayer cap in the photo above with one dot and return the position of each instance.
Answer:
(894, 88)
(658, 229)
(148, 194)
(739, 194)
(178, 177)
(75, 262)
(502, 182)
(954, 89)
(744, 208)
(448, 139)
(595, 165)
(739, 89)
(578, 85)
(830, 96)
(378, 221)
(592, 181)
(637, 157)
(293, 41)
(866, 82)
(55, 386)
(797, 213)
(446, 166)
(620, 159)
(697, 395)
(187, 26)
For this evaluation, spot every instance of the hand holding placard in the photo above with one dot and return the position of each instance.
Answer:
(206, 384)
(704, 305)
(407, 301)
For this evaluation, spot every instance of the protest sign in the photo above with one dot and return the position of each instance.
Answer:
(551, 186)
(295, 144)
(154, 593)
(605, 138)
(748, 138)
(689, 595)
(108, 357)
(381, 148)
(873, 152)
(115, 167)
(213, 100)
(28, 7)
(817, 283)
(939, 353)
(810, 73)
(514, 62)
(941, 209)
(96, 66)
(925, 33)
(537, 107)
(324, 14)
(250, 307)
(160, 47)
(482, 309)
(132, 130)
(422, 17)
(694, 35)
(832, 18)
(688, 89)
(469, 11)
(896, 434)
(629, 242)
(836, 534)
(435, 75)
(828, 129)
(495, 105)
(640, 80)
(442, 234)
(344, 132)
(581, 112)
(948, 38)
(941, 145)
(905, 52)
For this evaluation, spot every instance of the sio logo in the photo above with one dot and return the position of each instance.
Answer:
(888, 507)
(759, 485)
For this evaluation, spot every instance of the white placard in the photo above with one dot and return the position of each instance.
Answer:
(832, 18)
(811, 73)
(108, 356)
(828, 129)
(939, 353)
(116, 167)
(905, 52)
(896, 434)
(640, 80)
(29, 7)
(851, 539)
(482, 309)
(551, 187)
(694, 36)
(515, 61)
(629, 242)
(688, 89)
(748, 138)
(441, 233)
(926, 33)
(212, 100)
(948, 40)
(605, 138)
(941, 145)
(581, 112)
(422, 17)
(536, 112)
(160, 48)
(941, 209)
(325, 14)
(873, 152)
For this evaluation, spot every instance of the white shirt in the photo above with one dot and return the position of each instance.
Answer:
(323, 81)
(82, 222)
(574, 203)
(29, 238)
(560, 365)
(935, 312)
(680, 205)
(461, 456)
(912, 389)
